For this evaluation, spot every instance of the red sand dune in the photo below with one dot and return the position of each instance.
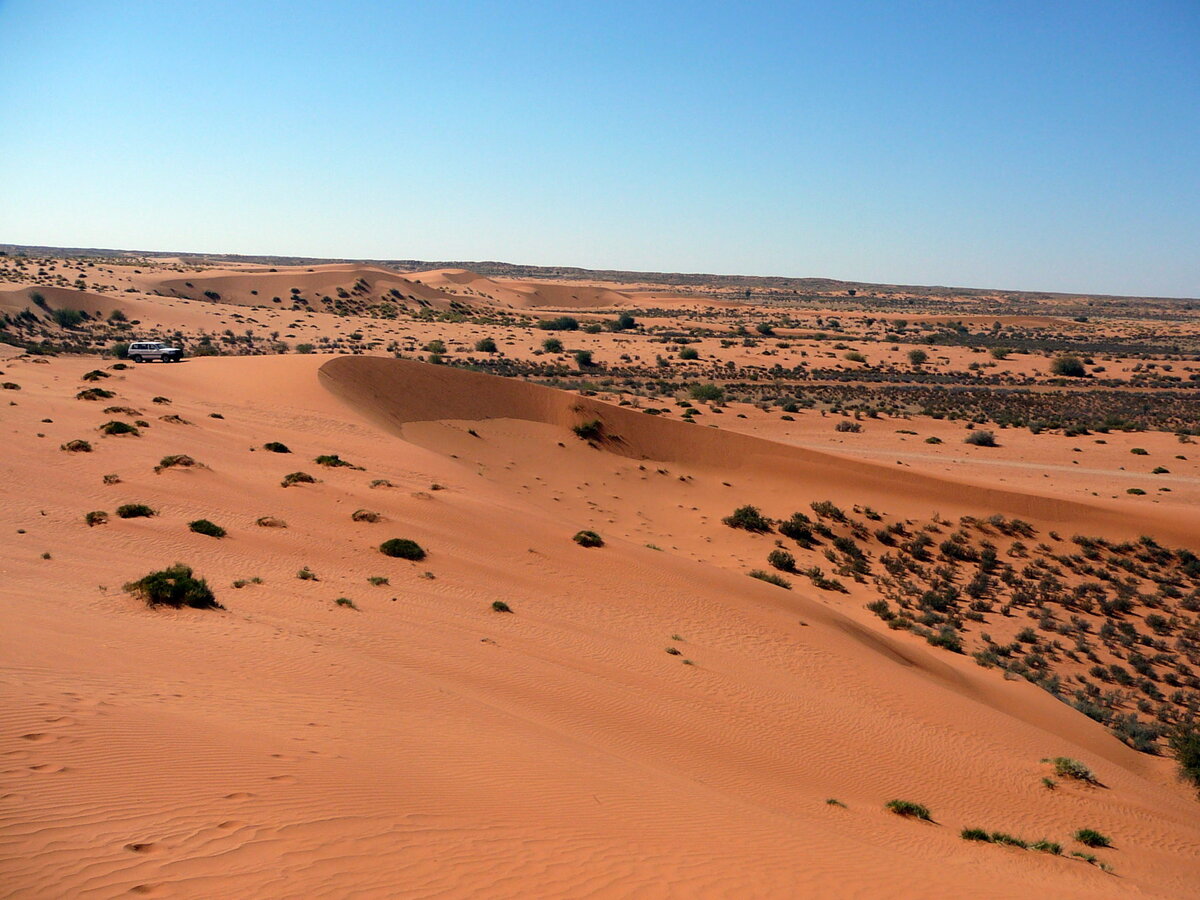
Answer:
(424, 745)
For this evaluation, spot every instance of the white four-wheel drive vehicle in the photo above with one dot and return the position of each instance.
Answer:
(145, 351)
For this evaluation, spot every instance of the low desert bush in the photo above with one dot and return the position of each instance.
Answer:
(96, 517)
(1089, 837)
(270, 522)
(180, 460)
(333, 461)
(297, 478)
(175, 586)
(345, 601)
(770, 578)
(592, 430)
(402, 548)
(588, 539)
(117, 427)
(204, 526)
(135, 511)
(909, 810)
(500, 606)
(365, 515)
(748, 518)
(378, 580)
(95, 394)
(76, 447)
(782, 560)
(981, 438)
(307, 574)
(1065, 767)
(276, 447)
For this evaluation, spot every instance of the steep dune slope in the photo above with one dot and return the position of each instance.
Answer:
(521, 294)
(424, 745)
(396, 392)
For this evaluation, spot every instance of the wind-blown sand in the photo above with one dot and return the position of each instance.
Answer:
(424, 745)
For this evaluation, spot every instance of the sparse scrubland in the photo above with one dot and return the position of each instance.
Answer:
(962, 494)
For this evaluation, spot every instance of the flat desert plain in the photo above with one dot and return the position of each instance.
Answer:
(965, 666)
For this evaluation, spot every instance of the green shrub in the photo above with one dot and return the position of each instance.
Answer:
(552, 345)
(203, 526)
(1045, 846)
(588, 539)
(770, 578)
(94, 394)
(304, 348)
(118, 427)
(1068, 367)
(120, 349)
(174, 586)
(67, 318)
(748, 518)
(782, 560)
(707, 393)
(1091, 838)
(1140, 451)
(135, 511)
(591, 430)
(1065, 767)
(76, 447)
(176, 460)
(909, 809)
(276, 447)
(307, 574)
(583, 359)
(485, 345)
(1000, 837)
(560, 323)
(500, 606)
(402, 548)
(918, 357)
(298, 478)
(378, 580)
(855, 356)
(1184, 742)
(933, 440)
(345, 601)
(847, 427)
(975, 834)
(333, 461)
(689, 353)
(980, 438)
(96, 517)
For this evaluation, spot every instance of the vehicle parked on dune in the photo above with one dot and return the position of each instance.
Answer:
(146, 351)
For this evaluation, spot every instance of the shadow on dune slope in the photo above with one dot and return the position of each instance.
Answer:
(394, 392)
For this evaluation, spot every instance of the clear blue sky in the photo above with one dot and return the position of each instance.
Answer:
(1036, 144)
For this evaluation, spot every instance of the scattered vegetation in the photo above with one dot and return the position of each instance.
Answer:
(297, 478)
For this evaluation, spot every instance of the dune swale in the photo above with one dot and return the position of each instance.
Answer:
(402, 548)
(175, 586)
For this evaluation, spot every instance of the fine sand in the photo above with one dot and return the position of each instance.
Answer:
(421, 744)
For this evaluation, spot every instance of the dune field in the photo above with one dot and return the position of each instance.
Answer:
(513, 713)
